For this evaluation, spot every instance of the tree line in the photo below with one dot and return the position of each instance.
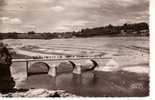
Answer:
(136, 29)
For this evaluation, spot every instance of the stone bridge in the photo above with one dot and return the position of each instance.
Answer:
(76, 65)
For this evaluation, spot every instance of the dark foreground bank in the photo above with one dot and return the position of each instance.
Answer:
(36, 93)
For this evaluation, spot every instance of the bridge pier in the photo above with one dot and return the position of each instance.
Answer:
(53, 70)
(77, 69)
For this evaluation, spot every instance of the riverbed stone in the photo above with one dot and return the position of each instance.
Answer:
(6, 81)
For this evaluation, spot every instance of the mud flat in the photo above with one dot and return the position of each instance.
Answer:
(132, 80)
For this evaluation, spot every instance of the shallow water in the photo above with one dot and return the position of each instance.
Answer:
(93, 84)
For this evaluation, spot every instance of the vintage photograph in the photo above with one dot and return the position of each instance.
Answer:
(74, 48)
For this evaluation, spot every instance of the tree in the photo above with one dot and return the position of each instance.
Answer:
(6, 81)
(31, 32)
(1, 35)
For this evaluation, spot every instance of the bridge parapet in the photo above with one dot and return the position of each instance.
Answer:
(54, 57)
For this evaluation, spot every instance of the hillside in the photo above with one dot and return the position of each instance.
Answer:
(136, 29)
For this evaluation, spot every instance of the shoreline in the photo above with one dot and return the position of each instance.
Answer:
(37, 93)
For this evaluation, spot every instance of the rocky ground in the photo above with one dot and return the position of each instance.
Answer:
(37, 93)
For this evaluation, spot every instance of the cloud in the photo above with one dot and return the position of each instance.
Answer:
(75, 23)
(43, 1)
(57, 8)
(8, 20)
(70, 25)
(2, 2)
(69, 15)
(29, 26)
(61, 29)
(81, 3)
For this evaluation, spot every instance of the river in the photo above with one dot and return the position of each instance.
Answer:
(93, 84)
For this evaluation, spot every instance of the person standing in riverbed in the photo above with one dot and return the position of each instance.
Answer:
(6, 81)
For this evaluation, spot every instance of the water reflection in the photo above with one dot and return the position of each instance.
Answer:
(85, 79)
(92, 83)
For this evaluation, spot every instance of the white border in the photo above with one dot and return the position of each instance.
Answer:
(152, 69)
(152, 49)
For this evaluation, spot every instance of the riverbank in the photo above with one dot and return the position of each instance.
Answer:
(131, 53)
(37, 93)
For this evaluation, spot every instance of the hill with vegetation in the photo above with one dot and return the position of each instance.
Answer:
(136, 29)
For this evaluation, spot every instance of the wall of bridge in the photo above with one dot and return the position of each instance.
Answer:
(51, 62)
(54, 64)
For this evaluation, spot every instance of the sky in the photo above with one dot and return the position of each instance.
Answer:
(69, 15)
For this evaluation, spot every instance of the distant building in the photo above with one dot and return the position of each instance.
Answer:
(144, 32)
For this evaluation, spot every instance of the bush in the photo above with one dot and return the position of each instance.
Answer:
(6, 81)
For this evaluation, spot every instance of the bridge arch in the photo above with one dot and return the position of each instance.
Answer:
(89, 64)
(94, 63)
(65, 67)
(72, 63)
(76, 67)
(38, 68)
